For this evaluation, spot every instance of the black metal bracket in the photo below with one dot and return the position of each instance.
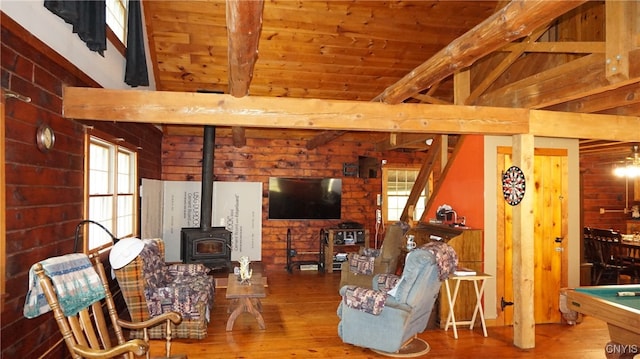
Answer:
(504, 303)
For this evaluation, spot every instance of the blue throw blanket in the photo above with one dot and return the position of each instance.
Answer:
(75, 281)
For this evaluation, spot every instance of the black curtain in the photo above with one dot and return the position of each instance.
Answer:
(88, 19)
(136, 69)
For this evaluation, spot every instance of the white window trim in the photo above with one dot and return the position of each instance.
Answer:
(385, 190)
(120, 31)
(112, 223)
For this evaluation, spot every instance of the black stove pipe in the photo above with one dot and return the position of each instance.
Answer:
(206, 206)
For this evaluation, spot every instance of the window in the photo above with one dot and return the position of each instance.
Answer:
(397, 184)
(112, 182)
(116, 18)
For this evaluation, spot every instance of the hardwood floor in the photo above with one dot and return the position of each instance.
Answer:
(301, 321)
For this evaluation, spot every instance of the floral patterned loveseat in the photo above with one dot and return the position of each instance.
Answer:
(151, 287)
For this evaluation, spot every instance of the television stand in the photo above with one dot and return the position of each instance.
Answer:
(341, 240)
(291, 253)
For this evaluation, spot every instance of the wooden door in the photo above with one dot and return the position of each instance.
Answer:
(549, 188)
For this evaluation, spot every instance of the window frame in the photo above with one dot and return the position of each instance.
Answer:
(385, 189)
(118, 43)
(116, 146)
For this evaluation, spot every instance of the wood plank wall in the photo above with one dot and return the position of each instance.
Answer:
(262, 158)
(601, 189)
(44, 192)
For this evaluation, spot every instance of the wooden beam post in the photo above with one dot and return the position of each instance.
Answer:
(621, 30)
(523, 248)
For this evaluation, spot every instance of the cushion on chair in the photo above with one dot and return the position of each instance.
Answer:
(387, 281)
(370, 252)
(446, 258)
(364, 299)
(187, 269)
(361, 264)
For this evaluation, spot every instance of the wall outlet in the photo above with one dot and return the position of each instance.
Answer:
(379, 199)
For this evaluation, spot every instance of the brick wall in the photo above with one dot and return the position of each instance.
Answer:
(44, 191)
(262, 158)
(601, 189)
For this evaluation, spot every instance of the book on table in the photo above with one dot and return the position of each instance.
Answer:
(462, 271)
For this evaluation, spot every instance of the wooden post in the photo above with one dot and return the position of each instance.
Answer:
(523, 248)
(621, 22)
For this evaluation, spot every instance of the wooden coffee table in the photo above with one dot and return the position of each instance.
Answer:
(246, 298)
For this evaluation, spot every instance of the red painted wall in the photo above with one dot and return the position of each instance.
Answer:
(463, 187)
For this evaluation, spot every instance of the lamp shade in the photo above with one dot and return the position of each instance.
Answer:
(124, 251)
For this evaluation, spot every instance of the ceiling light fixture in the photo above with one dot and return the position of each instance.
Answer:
(630, 168)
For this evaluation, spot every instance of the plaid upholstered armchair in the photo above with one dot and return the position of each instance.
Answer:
(150, 287)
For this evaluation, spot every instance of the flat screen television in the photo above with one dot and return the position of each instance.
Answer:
(305, 198)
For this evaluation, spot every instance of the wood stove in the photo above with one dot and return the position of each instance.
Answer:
(208, 245)
(211, 248)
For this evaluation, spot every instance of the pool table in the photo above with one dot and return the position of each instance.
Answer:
(622, 314)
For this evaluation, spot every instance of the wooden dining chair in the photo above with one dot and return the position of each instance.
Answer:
(630, 258)
(87, 334)
(610, 254)
(591, 254)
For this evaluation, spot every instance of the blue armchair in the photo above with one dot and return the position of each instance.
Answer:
(397, 308)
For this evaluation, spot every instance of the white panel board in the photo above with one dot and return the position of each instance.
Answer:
(237, 206)
(181, 208)
(151, 201)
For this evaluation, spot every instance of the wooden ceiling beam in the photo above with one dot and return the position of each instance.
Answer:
(579, 125)
(430, 99)
(629, 110)
(323, 138)
(244, 25)
(597, 103)
(575, 79)
(565, 47)
(517, 19)
(159, 107)
(404, 140)
(184, 108)
(504, 65)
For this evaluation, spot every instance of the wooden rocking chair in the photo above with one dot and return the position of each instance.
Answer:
(86, 333)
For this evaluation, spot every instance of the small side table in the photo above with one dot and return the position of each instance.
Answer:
(451, 318)
(246, 298)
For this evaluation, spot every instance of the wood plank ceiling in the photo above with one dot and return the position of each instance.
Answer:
(579, 57)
